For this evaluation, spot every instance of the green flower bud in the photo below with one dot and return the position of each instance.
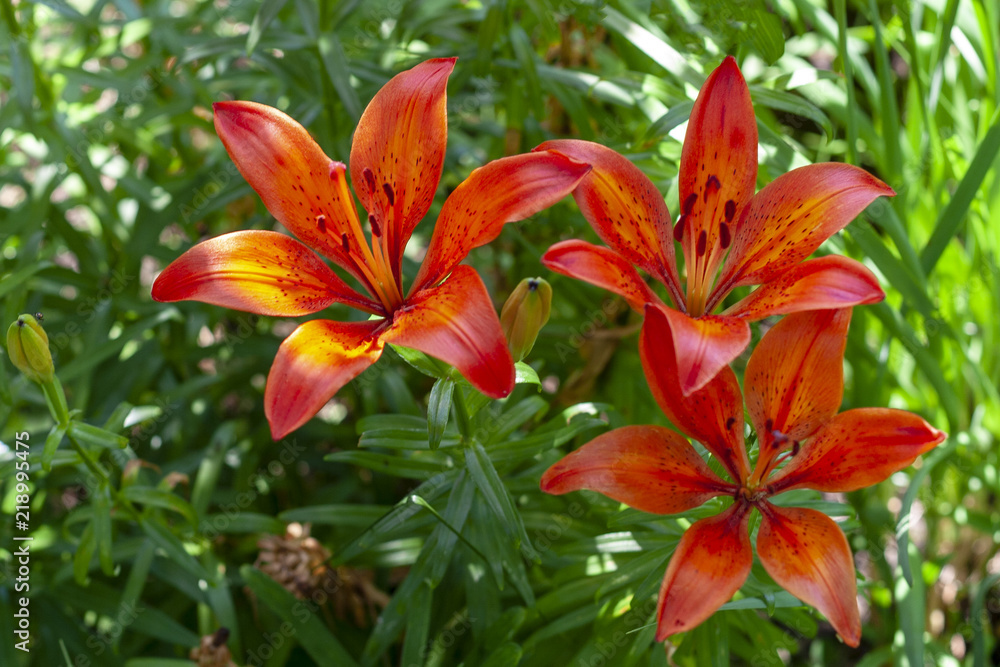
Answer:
(524, 314)
(28, 347)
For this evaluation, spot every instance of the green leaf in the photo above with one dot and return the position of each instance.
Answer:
(102, 528)
(146, 495)
(417, 627)
(505, 655)
(781, 100)
(52, 441)
(311, 632)
(485, 476)
(438, 411)
(337, 70)
(266, 13)
(525, 374)
(87, 434)
(411, 468)
(173, 548)
(953, 215)
(83, 555)
(336, 515)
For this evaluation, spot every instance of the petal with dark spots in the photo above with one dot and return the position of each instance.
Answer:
(650, 468)
(815, 284)
(858, 448)
(456, 323)
(807, 554)
(398, 150)
(624, 208)
(709, 565)
(260, 272)
(293, 176)
(602, 267)
(505, 190)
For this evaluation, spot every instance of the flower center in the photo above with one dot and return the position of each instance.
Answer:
(704, 244)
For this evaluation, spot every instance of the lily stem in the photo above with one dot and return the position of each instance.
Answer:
(462, 419)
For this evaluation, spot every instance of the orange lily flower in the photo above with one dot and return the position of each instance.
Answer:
(756, 239)
(794, 384)
(396, 163)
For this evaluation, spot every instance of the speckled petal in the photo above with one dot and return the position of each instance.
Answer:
(456, 322)
(815, 284)
(806, 553)
(709, 565)
(650, 468)
(625, 209)
(259, 272)
(502, 191)
(787, 220)
(304, 189)
(856, 449)
(602, 267)
(398, 150)
(312, 365)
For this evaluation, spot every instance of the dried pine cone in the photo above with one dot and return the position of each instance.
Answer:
(296, 561)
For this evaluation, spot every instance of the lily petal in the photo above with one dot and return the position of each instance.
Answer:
(711, 562)
(501, 191)
(398, 150)
(456, 322)
(312, 365)
(794, 381)
(304, 189)
(788, 219)
(258, 272)
(650, 468)
(858, 448)
(602, 267)
(815, 284)
(704, 345)
(625, 209)
(718, 172)
(712, 415)
(807, 554)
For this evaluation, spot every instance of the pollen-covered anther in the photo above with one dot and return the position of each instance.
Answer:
(679, 229)
(321, 223)
(345, 242)
(689, 204)
(369, 179)
(373, 221)
(389, 194)
(779, 438)
(730, 210)
(702, 243)
(724, 237)
(730, 423)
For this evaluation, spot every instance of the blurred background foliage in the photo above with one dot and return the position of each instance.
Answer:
(110, 168)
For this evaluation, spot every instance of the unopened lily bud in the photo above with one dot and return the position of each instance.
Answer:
(28, 347)
(524, 314)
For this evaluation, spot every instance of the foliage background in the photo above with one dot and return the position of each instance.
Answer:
(109, 168)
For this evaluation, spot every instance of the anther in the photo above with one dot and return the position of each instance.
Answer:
(321, 223)
(389, 194)
(689, 203)
(702, 243)
(724, 238)
(769, 425)
(679, 229)
(730, 210)
(779, 438)
(376, 230)
(729, 423)
(343, 240)
(711, 184)
(795, 448)
(369, 179)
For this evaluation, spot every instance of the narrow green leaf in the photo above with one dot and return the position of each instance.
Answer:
(83, 555)
(438, 411)
(525, 374)
(311, 632)
(953, 215)
(173, 548)
(161, 498)
(52, 441)
(266, 13)
(411, 468)
(504, 656)
(417, 627)
(336, 515)
(102, 528)
(485, 476)
(335, 63)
